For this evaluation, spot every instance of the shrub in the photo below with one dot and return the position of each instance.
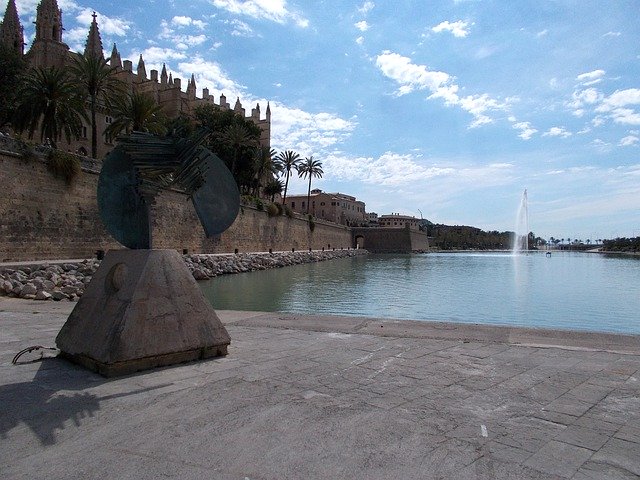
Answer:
(287, 211)
(312, 224)
(279, 207)
(259, 204)
(272, 210)
(26, 151)
(64, 165)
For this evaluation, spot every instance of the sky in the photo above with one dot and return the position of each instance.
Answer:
(445, 109)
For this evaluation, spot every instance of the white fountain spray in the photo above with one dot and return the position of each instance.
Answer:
(521, 234)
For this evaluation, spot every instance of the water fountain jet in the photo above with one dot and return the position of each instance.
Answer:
(521, 233)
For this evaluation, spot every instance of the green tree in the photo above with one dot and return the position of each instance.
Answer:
(273, 188)
(287, 161)
(12, 68)
(237, 137)
(218, 121)
(309, 168)
(264, 166)
(49, 102)
(136, 112)
(98, 81)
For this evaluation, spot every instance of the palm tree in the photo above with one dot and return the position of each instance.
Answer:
(263, 164)
(135, 112)
(287, 161)
(237, 136)
(311, 168)
(49, 102)
(273, 188)
(99, 82)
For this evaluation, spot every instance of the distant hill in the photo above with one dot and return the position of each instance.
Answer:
(461, 237)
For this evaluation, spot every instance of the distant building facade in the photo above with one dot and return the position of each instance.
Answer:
(395, 220)
(49, 50)
(333, 207)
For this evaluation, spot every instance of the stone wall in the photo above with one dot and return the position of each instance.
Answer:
(41, 217)
(391, 240)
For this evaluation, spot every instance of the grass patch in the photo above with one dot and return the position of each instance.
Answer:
(64, 166)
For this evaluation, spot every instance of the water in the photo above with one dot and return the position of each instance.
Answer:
(576, 291)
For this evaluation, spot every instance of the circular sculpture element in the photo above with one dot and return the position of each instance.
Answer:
(116, 277)
(142, 165)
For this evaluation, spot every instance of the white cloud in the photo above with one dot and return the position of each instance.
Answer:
(240, 28)
(181, 41)
(591, 75)
(412, 77)
(612, 34)
(404, 176)
(76, 37)
(628, 141)
(273, 10)
(583, 98)
(107, 25)
(360, 40)
(526, 130)
(363, 26)
(615, 106)
(157, 55)
(307, 133)
(459, 29)
(591, 78)
(183, 21)
(622, 98)
(212, 76)
(366, 7)
(601, 145)
(557, 132)
(542, 33)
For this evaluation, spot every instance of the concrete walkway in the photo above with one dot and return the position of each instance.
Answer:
(304, 397)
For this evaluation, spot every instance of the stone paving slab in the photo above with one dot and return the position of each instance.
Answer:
(306, 397)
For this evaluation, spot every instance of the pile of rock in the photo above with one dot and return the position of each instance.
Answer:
(64, 281)
(67, 281)
(208, 266)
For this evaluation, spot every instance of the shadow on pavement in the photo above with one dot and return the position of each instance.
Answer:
(54, 396)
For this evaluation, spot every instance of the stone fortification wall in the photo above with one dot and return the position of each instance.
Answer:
(391, 240)
(41, 217)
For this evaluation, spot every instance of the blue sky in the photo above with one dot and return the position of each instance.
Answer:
(449, 109)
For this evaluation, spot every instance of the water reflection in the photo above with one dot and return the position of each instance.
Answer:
(567, 290)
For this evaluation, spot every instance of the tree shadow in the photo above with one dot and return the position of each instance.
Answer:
(54, 396)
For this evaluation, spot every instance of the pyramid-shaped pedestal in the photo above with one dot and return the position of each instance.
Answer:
(142, 309)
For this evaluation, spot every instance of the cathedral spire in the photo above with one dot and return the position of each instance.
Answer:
(142, 71)
(11, 32)
(163, 75)
(49, 21)
(93, 47)
(191, 86)
(115, 60)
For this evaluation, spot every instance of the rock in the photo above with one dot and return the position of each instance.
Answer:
(69, 290)
(58, 295)
(6, 286)
(28, 289)
(199, 274)
(42, 295)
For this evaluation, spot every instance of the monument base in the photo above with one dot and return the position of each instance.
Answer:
(142, 309)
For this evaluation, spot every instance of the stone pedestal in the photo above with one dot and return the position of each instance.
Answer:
(142, 309)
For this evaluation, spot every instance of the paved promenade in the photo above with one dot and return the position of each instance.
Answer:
(304, 397)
